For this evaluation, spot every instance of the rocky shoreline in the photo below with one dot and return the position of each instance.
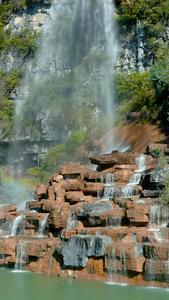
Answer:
(104, 225)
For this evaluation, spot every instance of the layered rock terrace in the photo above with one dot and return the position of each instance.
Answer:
(105, 224)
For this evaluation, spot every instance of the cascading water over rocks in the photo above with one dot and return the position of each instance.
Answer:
(70, 76)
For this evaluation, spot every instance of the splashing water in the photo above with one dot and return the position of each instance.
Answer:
(71, 221)
(21, 257)
(18, 225)
(42, 226)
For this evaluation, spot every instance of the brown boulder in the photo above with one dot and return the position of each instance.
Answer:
(92, 188)
(8, 208)
(73, 197)
(157, 251)
(122, 173)
(33, 205)
(55, 178)
(41, 192)
(114, 158)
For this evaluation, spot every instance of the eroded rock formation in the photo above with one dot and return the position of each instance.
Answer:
(94, 224)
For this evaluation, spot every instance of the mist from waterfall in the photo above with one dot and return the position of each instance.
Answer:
(69, 84)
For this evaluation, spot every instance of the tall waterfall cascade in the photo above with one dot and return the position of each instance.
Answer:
(76, 34)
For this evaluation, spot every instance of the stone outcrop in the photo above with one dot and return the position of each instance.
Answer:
(83, 247)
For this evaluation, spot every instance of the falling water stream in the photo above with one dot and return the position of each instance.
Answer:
(75, 33)
(112, 190)
(42, 226)
(18, 226)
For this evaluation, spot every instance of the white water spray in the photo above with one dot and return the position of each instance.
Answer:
(71, 221)
(18, 226)
(21, 256)
(42, 226)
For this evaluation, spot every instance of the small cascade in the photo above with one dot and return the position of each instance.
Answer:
(113, 222)
(123, 261)
(135, 178)
(110, 179)
(151, 274)
(112, 190)
(159, 216)
(18, 226)
(166, 269)
(141, 163)
(112, 262)
(71, 222)
(100, 178)
(119, 191)
(51, 259)
(154, 216)
(138, 250)
(42, 226)
(21, 257)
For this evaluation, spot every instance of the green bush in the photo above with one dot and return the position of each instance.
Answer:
(23, 42)
(76, 139)
(55, 157)
(157, 152)
(150, 12)
(135, 93)
(161, 160)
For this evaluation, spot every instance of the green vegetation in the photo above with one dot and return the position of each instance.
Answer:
(71, 105)
(8, 82)
(76, 139)
(55, 157)
(152, 13)
(164, 198)
(147, 94)
(161, 160)
(135, 93)
(23, 43)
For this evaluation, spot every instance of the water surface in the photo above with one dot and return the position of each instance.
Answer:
(30, 286)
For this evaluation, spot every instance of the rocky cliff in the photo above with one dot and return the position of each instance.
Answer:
(24, 25)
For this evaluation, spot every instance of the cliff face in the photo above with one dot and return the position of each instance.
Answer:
(25, 25)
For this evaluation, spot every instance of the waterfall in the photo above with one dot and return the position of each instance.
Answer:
(112, 261)
(18, 226)
(110, 179)
(159, 216)
(166, 268)
(138, 250)
(141, 163)
(42, 226)
(71, 221)
(113, 221)
(21, 257)
(119, 191)
(112, 190)
(76, 56)
(51, 259)
(123, 261)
